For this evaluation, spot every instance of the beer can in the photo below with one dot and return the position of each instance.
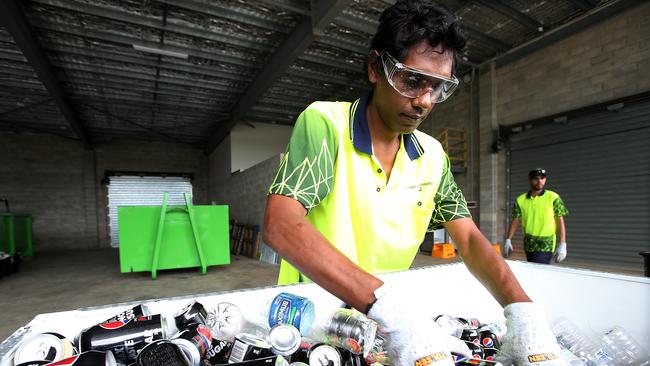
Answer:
(352, 331)
(248, 347)
(162, 353)
(125, 338)
(218, 352)
(226, 321)
(194, 342)
(88, 358)
(192, 313)
(132, 313)
(324, 355)
(488, 338)
(284, 339)
(292, 309)
(48, 347)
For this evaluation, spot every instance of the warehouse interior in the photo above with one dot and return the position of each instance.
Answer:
(199, 97)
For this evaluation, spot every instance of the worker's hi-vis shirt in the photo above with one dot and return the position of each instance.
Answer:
(538, 214)
(330, 168)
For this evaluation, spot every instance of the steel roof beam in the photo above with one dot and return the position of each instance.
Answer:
(484, 38)
(14, 21)
(504, 8)
(583, 4)
(278, 63)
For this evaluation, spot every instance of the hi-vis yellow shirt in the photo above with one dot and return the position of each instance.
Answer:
(330, 168)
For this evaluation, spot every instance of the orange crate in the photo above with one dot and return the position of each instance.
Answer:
(443, 251)
(497, 247)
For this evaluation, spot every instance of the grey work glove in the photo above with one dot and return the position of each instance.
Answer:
(560, 252)
(529, 340)
(507, 248)
(411, 336)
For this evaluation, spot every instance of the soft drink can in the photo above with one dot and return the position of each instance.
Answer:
(471, 335)
(477, 351)
(489, 354)
(132, 313)
(324, 355)
(352, 331)
(192, 313)
(469, 322)
(162, 353)
(291, 309)
(477, 362)
(499, 330)
(488, 338)
(284, 339)
(48, 347)
(88, 358)
(450, 324)
(226, 321)
(218, 353)
(125, 338)
(194, 342)
(248, 347)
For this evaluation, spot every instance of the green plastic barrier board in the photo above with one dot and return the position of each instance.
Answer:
(166, 237)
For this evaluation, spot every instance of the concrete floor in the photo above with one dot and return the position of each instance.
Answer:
(59, 281)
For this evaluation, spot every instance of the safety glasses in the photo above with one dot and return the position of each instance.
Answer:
(413, 83)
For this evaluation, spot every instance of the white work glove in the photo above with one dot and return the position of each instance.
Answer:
(560, 252)
(412, 336)
(529, 340)
(507, 248)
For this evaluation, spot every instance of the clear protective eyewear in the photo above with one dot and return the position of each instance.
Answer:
(413, 83)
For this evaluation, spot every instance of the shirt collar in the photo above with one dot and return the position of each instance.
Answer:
(360, 134)
(529, 194)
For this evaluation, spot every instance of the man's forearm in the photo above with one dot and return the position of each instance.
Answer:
(513, 228)
(485, 263)
(561, 228)
(298, 241)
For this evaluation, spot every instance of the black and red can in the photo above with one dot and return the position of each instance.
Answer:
(88, 358)
(192, 313)
(195, 342)
(471, 335)
(488, 338)
(218, 352)
(125, 338)
(477, 351)
(489, 353)
(128, 314)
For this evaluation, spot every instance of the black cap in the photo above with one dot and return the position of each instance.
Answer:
(537, 172)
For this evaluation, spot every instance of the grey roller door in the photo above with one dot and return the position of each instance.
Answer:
(142, 191)
(600, 166)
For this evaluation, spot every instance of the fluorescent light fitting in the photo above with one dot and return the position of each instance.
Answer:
(159, 51)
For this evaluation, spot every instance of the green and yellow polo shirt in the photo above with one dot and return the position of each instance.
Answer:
(538, 214)
(330, 168)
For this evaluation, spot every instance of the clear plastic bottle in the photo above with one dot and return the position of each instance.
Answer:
(624, 349)
(572, 338)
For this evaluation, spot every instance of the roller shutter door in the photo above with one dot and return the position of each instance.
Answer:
(142, 191)
(600, 166)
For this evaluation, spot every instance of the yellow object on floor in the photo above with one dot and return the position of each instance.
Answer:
(443, 251)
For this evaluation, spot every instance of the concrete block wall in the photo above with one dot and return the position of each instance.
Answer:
(60, 183)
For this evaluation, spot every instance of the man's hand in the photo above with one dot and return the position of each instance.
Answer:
(507, 248)
(560, 252)
(529, 340)
(413, 337)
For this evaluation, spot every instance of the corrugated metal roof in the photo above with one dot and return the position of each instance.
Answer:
(212, 52)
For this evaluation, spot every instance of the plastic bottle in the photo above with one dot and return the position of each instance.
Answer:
(624, 349)
(286, 308)
(572, 338)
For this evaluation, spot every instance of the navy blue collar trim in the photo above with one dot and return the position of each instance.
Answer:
(360, 133)
(530, 193)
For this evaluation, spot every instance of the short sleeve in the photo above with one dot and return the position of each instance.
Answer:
(559, 209)
(449, 201)
(516, 211)
(306, 171)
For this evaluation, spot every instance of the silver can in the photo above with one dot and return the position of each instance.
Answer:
(50, 347)
(284, 339)
(324, 355)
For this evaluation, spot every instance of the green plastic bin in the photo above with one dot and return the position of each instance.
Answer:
(167, 237)
(16, 234)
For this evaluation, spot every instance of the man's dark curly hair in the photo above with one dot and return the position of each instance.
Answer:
(409, 21)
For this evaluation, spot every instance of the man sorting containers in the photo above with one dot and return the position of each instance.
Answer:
(359, 186)
(541, 213)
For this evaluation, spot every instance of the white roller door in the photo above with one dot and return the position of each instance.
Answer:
(142, 191)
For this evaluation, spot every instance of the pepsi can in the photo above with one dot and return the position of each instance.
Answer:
(192, 313)
(489, 353)
(88, 358)
(477, 351)
(488, 338)
(125, 338)
(471, 335)
(129, 314)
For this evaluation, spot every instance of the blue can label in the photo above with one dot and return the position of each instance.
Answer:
(287, 309)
